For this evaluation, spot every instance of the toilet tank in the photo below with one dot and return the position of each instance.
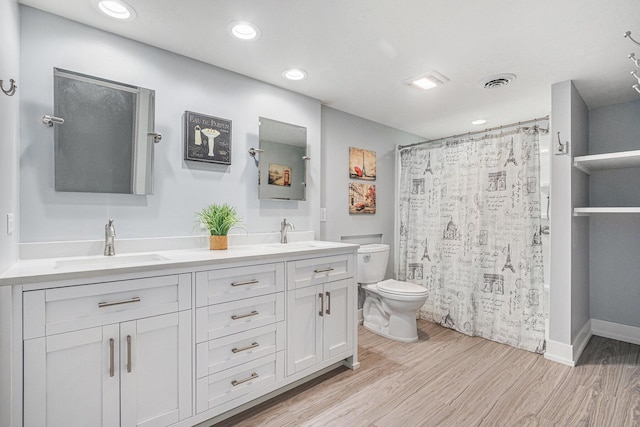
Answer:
(372, 263)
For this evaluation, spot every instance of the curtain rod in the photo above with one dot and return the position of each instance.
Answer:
(401, 147)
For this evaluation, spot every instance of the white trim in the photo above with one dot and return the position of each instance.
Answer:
(616, 331)
(581, 341)
(569, 354)
(559, 352)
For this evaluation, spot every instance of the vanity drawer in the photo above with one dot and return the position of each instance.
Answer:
(226, 352)
(229, 284)
(314, 271)
(57, 310)
(219, 320)
(233, 383)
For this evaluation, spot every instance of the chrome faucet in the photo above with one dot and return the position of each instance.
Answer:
(109, 239)
(284, 226)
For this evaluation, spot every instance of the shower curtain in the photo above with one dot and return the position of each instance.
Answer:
(470, 233)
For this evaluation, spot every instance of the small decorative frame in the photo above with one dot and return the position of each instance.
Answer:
(207, 138)
(362, 198)
(279, 175)
(362, 164)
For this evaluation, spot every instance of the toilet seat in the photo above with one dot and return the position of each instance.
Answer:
(396, 287)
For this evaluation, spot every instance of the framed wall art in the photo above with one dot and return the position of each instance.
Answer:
(362, 164)
(207, 138)
(362, 198)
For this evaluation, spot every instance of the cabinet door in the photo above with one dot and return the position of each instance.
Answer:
(338, 317)
(72, 379)
(155, 369)
(304, 328)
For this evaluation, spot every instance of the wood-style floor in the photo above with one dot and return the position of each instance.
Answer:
(449, 379)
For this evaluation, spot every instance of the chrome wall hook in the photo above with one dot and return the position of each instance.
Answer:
(628, 35)
(12, 87)
(560, 147)
(636, 87)
(633, 73)
(632, 57)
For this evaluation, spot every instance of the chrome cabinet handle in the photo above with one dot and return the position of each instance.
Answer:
(236, 317)
(323, 270)
(328, 302)
(109, 304)
(111, 350)
(249, 347)
(252, 377)
(321, 304)
(129, 353)
(248, 282)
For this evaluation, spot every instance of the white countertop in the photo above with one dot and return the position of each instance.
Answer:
(63, 268)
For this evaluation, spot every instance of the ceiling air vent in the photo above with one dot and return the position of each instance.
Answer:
(499, 80)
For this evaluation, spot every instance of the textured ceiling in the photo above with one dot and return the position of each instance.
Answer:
(358, 53)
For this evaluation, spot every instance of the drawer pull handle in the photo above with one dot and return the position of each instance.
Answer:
(111, 361)
(252, 377)
(328, 302)
(236, 317)
(248, 282)
(109, 304)
(323, 270)
(320, 313)
(249, 347)
(129, 353)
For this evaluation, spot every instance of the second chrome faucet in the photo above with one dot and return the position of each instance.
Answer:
(109, 239)
(284, 227)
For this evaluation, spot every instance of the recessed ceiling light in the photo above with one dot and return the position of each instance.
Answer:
(294, 74)
(479, 122)
(243, 30)
(117, 9)
(427, 80)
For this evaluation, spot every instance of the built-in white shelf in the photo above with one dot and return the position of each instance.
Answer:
(623, 159)
(605, 210)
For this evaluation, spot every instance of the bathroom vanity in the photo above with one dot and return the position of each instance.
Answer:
(176, 337)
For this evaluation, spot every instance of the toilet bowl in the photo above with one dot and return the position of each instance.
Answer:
(390, 306)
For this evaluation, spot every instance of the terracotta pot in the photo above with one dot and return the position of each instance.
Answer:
(218, 242)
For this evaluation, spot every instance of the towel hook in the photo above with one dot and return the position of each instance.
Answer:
(12, 87)
(632, 57)
(628, 35)
(562, 148)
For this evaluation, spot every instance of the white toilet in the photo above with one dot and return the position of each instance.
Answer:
(390, 305)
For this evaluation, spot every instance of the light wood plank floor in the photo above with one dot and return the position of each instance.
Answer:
(449, 379)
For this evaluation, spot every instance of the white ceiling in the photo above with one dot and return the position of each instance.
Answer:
(357, 53)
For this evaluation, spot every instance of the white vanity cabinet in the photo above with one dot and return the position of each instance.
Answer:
(193, 341)
(111, 354)
(320, 311)
(240, 340)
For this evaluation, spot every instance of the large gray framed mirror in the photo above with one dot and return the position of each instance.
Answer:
(283, 160)
(105, 144)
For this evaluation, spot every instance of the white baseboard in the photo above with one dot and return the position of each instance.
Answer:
(616, 331)
(569, 354)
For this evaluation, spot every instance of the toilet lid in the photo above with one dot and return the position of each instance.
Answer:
(397, 287)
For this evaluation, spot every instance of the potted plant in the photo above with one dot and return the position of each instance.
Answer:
(218, 219)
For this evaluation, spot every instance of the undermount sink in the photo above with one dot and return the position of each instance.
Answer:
(302, 245)
(108, 261)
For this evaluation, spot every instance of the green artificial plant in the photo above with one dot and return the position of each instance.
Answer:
(219, 218)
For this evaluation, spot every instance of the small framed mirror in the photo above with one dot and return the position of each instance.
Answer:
(283, 160)
(106, 142)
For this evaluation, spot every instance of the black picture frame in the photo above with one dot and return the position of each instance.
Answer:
(207, 138)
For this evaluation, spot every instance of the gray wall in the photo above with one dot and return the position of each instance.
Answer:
(614, 243)
(9, 142)
(339, 132)
(9, 136)
(569, 285)
(180, 188)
